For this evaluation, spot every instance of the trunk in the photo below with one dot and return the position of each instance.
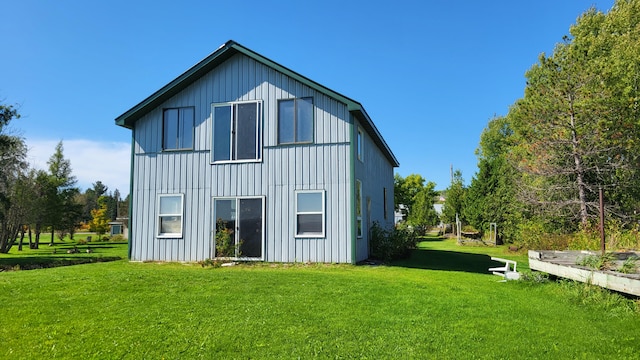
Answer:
(36, 244)
(21, 238)
(579, 171)
(53, 234)
(30, 239)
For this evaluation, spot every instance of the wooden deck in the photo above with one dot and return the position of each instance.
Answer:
(564, 264)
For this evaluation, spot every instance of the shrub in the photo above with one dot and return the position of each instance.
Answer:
(392, 243)
(534, 277)
(225, 241)
(117, 238)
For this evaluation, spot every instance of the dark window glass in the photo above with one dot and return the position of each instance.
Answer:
(177, 128)
(295, 121)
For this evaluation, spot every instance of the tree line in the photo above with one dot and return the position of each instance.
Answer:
(33, 201)
(574, 133)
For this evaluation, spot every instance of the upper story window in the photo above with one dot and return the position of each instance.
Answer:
(360, 145)
(295, 121)
(177, 128)
(236, 132)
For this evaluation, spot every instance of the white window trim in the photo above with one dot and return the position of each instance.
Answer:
(259, 138)
(181, 214)
(264, 224)
(323, 213)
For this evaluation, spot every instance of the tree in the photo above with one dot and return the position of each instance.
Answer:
(490, 198)
(405, 191)
(454, 203)
(13, 167)
(423, 215)
(578, 121)
(100, 218)
(90, 199)
(63, 211)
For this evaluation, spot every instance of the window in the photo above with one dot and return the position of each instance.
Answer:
(177, 128)
(384, 202)
(359, 145)
(295, 121)
(310, 213)
(236, 132)
(359, 207)
(170, 208)
(239, 227)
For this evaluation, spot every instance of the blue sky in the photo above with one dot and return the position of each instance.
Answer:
(430, 74)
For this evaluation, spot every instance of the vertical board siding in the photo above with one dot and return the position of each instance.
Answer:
(376, 174)
(323, 165)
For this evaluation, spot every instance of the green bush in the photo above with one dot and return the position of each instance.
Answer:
(392, 243)
(117, 238)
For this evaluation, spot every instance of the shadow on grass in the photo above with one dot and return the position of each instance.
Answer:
(447, 261)
(43, 262)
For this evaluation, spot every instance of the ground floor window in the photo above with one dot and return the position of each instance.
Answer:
(310, 213)
(170, 209)
(239, 227)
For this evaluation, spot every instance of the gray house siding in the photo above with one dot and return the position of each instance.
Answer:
(323, 165)
(376, 174)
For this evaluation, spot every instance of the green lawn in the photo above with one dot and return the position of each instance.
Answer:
(441, 303)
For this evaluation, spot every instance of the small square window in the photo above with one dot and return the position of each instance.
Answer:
(310, 212)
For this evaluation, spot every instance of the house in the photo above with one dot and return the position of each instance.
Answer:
(118, 227)
(241, 157)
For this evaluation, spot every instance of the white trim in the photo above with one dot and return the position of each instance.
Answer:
(360, 229)
(323, 213)
(213, 227)
(161, 235)
(360, 144)
(259, 136)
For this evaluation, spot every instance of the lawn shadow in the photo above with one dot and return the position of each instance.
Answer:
(43, 262)
(447, 261)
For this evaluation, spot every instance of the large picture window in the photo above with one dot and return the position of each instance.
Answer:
(177, 128)
(295, 121)
(236, 132)
(170, 208)
(310, 207)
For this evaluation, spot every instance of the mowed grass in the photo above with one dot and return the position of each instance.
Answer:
(441, 303)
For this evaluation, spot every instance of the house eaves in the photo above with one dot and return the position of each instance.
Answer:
(219, 56)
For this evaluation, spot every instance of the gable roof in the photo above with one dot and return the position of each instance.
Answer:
(223, 53)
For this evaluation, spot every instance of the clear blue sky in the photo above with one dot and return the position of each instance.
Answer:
(431, 74)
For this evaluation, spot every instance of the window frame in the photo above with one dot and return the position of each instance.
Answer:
(358, 206)
(180, 127)
(233, 130)
(159, 216)
(323, 212)
(360, 144)
(384, 202)
(295, 122)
